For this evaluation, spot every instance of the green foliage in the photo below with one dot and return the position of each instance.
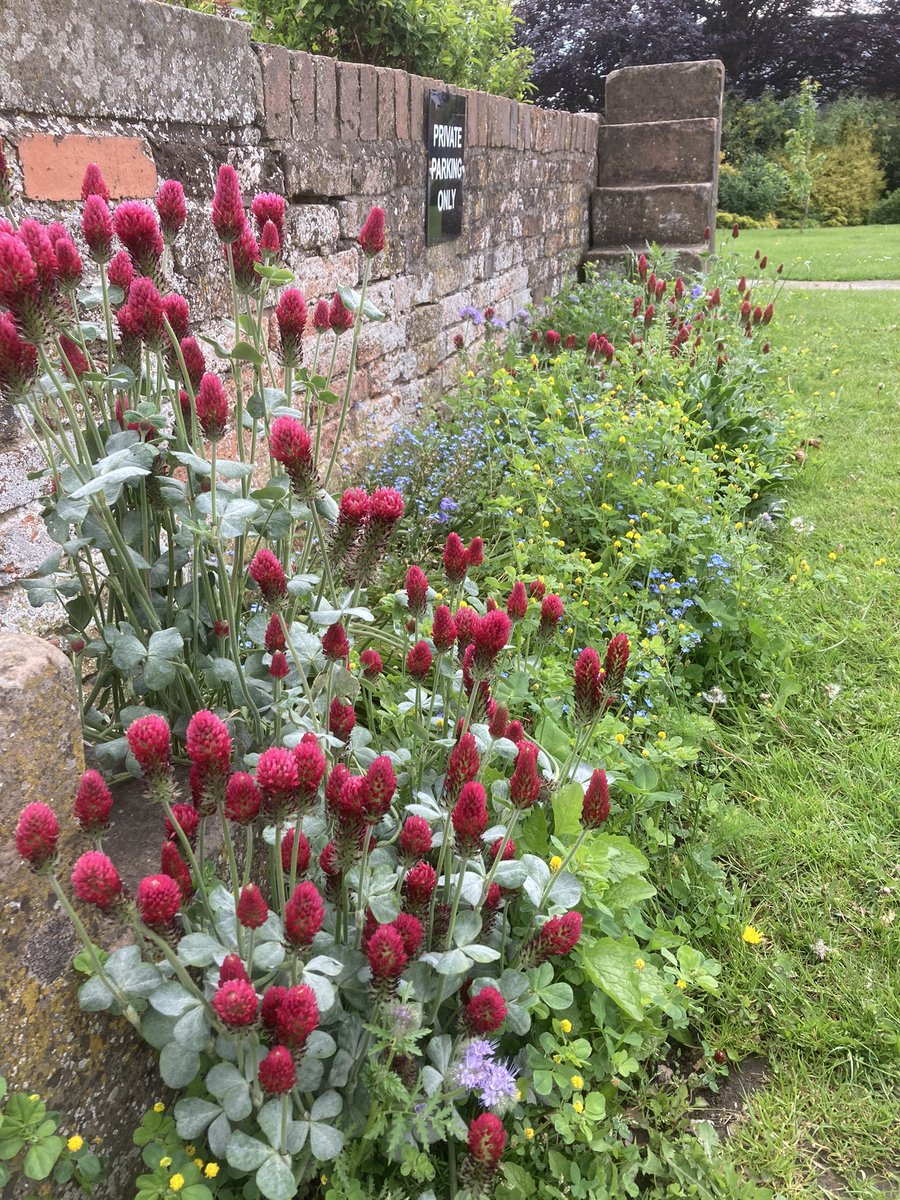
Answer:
(887, 210)
(756, 127)
(470, 43)
(799, 142)
(848, 178)
(754, 189)
(31, 1148)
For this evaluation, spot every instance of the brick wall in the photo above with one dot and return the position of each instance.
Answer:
(150, 91)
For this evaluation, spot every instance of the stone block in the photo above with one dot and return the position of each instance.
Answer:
(319, 170)
(303, 96)
(17, 462)
(665, 92)
(53, 166)
(348, 100)
(368, 103)
(658, 152)
(401, 88)
(312, 227)
(327, 123)
(673, 214)
(24, 543)
(127, 59)
(387, 117)
(275, 63)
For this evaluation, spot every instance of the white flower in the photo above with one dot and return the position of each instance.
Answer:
(716, 697)
(832, 691)
(802, 525)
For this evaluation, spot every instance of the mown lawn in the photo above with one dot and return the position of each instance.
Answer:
(812, 831)
(859, 252)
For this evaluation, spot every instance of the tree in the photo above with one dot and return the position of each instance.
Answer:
(799, 143)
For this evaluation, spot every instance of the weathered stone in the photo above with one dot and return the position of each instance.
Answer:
(124, 58)
(326, 97)
(658, 152)
(667, 92)
(53, 167)
(24, 543)
(674, 214)
(303, 96)
(316, 171)
(275, 63)
(368, 103)
(348, 100)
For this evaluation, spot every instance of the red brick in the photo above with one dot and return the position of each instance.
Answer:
(53, 167)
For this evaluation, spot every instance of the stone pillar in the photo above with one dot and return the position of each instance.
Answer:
(92, 1069)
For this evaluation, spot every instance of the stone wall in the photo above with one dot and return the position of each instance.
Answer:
(151, 91)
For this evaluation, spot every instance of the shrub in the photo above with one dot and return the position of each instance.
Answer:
(755, 188)
(887, 210)
(728, 220)
(849, 177)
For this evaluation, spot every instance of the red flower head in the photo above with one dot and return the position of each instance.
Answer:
(371, 236)
(588, 686)
(514, 732)
(232, 968)
(335, 644)
(97, 227)
(571, 342)
(267, 571)
(173, 865)
(558, 936)
(456, 559)
(311, 764)
(509, 849)
(297, 1016)
(378, 790)
(595, 808)
(757, 314)
(485, 1012)
(268, 206)
(279, 667)
(410, 930)
(386, 953)
(486, 1139)
(767, 313)
(212, 406)
(70, 268)
(158, 900)
(220, 628)
(459, 341)
(536, 589)
(419, 885)
(493, 897)
(93, 183)
(341, 719)
(18, 359)
(370, 661)
(642, 266)
(735, 230)
(291, 445)
(252, 910)
(552, 338)
(415, 837)
(517, 602)
(245, 254)
(475, 552)
(96, 881)
(490, 636)
(340, 318)
(274, 636)
(706, 234)
(416, 590)
(551, 615)
(354, 507)
(188, 821)
(242, 799)
(714, 298)
(73, 359)
(276, 777)
(150, 741)
(18, 273)
(470, 818)
(418, 661)
(746, 309)
(329, 863)
(678, 288)
(649, 314)
(287, 852)
(171, 208)
(236, 1004)
(290, 316)
(194, 361)
(617, 653)
(93, 803)
(271, 1003)
(303, 915)
(208, 743)
(178, 314)
(463, 764)
(443, 629)
(137, 228)
(120, 271)
(386, 506)
(269, 242)
(322, 317)
(277, 1072)
(525, 784)
(228, 209)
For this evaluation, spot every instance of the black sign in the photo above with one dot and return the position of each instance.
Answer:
(445, 136)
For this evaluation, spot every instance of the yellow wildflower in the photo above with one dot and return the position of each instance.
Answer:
(158, 1108)
(577, 1082)
(555, 862)
(198, 1162)
(565, 1025)
(529, 1133)
(620, 738)
(639, 964)
(176, 1183)
(751, 935)
(681, 983)
(211, 1170)
(165, 1162)
(578, 1105)
(74, 1143)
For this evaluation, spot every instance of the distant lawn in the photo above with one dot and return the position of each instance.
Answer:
(859, 252)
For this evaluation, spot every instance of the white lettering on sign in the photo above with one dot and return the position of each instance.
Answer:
(446, 199)
(446, 168)
(448, 137)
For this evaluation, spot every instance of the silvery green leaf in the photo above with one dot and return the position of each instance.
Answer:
(156, 1029)
(324, 964)
(538, 877)
(320, 1045)
(565, 892)
(302, 585)
(193, 1115)
(271, 929)
(221, 899)
(275, 1179)
(127, 652)
(324, 991)
(467, 928)
(351, 299)
(326, 1141)
(218, 1135)
(328, 616)
(222, 1077)
(384, 908)
(482, 954)
(268, 955)
(159, 673)
(510, 874)
(448, 962)
(517, 1019)
(327, 507)
(200, 466)
(472, 888)
(233, 470)
(326, 1107)
(307, 648)
(166, 643)
(269, 1119)
(513, 984)
(505, 749)
(178, 1066)
(95, 996)
(310, 1074)
(237, 516)
(172, 1000)
(133, 976)
(200, 950)
(192, 1030)
(439, 1050)
(340, 1069)
(246, 1153)
(557, 996)
(110, 482)
(432, 1080)
(297, 1133)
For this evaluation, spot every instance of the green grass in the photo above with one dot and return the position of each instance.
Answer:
(858, 252)
(812, 833)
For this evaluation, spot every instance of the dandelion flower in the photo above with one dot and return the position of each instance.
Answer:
(751, 935)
